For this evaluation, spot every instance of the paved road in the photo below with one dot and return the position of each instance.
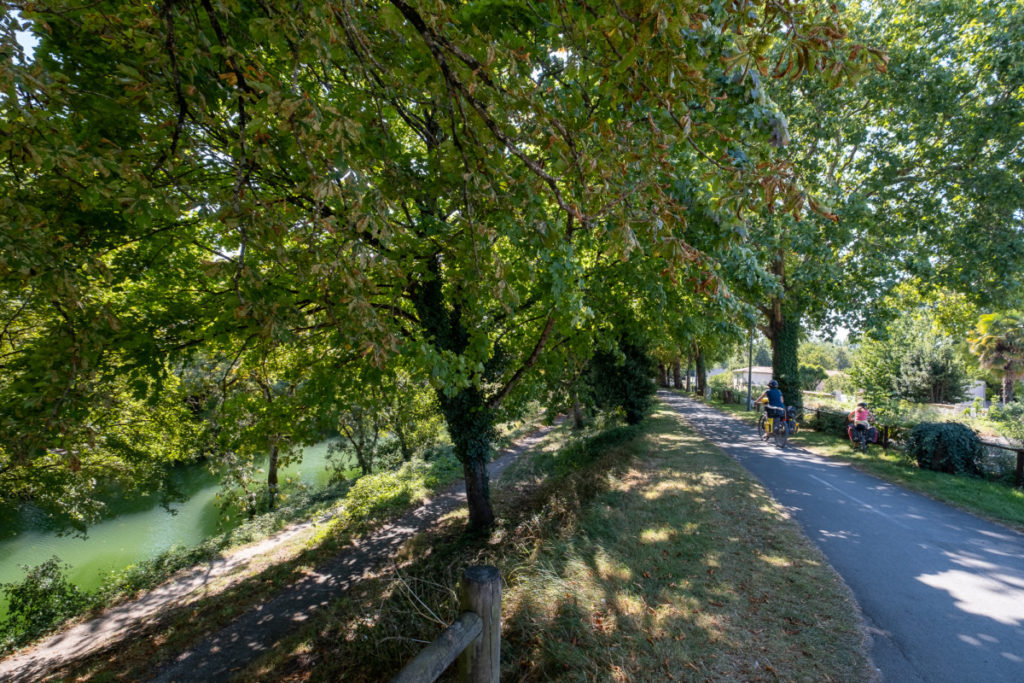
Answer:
(941, 590)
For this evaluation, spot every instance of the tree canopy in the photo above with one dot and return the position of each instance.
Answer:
(297, 193)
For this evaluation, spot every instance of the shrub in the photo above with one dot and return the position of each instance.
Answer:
(43, 599)
(945, 447)
(377, 495)
(810, 376)
(579, 452)
(840, 382)
(1009, 419)
(722, 380)
(826, 422)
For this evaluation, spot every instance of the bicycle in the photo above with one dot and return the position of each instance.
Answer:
(764, 423)
(791, 419)
(780, 432)
(768, 427)
(859, 435)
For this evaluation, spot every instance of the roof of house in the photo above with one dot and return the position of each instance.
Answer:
(757, 368)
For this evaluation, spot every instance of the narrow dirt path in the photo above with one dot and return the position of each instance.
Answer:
(256, 630)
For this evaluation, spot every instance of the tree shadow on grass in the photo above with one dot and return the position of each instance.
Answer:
(269, 602)
(681, 575)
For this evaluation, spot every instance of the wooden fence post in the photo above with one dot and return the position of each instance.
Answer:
(481, 593)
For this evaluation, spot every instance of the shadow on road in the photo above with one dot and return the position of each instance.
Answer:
(941, 590)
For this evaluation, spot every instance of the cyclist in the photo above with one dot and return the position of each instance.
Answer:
(776, 407)
(861, 416)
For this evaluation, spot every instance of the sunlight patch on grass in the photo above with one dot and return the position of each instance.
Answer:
(776, 560)
(712, 479)
(605, 567)
(674, 486)
(640, 562)
(659, 535)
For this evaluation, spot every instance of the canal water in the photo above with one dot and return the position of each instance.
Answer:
(138, 529)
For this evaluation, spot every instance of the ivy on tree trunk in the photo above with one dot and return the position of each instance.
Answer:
(466, 412)
(784, 336)
(471, 423)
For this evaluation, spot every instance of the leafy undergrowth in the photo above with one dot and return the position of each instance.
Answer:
(351, 507)
(642, 554)
(993, 500)
(371, 501)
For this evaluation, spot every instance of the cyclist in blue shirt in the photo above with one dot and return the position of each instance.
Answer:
(776, 405)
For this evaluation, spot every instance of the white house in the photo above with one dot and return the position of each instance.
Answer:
(759, 375)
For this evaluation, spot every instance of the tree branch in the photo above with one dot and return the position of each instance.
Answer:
(496, 400)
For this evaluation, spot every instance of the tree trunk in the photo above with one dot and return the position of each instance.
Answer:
(689, 364)
(363, 437)
(268, 396)
(577, 415)
(677, 374)
(272, 476)
(403, 445)
(470, 424)
(784, 337)
(1008, 380)
(469, 420)
(783, 334)
(702, 370)
(662, 375)
(403, 440)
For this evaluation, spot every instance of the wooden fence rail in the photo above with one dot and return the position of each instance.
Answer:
(474, 638)
(1018, 472)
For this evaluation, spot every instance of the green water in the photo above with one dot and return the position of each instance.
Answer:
(138, 529)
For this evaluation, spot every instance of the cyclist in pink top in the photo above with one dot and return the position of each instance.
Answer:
(863, 416)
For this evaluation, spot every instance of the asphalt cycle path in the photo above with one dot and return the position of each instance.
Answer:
(942, 591)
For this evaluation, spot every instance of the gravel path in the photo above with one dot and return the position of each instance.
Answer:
(254, 631)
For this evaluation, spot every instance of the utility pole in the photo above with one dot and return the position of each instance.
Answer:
(750, 367)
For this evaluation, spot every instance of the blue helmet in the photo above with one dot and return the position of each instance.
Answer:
(773, 384)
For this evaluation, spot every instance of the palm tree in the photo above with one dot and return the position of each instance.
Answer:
(998, 341)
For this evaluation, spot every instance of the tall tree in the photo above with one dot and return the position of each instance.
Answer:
(920, 167)
(998, 341)
(433, 182)
(909, 360)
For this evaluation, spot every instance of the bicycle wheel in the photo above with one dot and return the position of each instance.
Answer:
(762, 427)
(863, 438)
(779, 432)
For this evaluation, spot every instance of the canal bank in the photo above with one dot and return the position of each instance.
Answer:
(137, 529)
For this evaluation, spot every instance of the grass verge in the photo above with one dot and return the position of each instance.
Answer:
(989, 499)
(641, 554)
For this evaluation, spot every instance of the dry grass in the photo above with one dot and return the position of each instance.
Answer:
(657, 559)
(683, 569)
